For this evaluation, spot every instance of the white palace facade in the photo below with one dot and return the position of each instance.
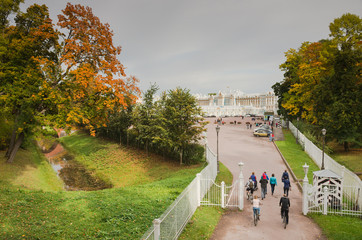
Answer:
(235, 103)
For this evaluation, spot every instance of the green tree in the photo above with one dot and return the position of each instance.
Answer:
(21, 88)
(145, 117)
(182, 119)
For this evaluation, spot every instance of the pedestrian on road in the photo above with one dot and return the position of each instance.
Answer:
(267, 178)
(253, 177)
(285, 204)
(273, 183)
(285, 174)
(263, 186)
(286, 185)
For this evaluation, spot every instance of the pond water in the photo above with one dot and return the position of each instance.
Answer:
(73, 174)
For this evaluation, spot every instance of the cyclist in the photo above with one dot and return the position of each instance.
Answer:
(256, 206)
(285, 204)
(253, 177)
(250, 186)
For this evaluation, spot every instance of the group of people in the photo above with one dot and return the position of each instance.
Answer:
(252, 185)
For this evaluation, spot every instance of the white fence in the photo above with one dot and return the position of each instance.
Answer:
(326, 202)
(349, 178)
(171, 223)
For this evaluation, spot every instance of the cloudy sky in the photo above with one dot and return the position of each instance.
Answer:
(210, 45)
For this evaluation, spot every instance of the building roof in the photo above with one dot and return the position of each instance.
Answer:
(326, 173)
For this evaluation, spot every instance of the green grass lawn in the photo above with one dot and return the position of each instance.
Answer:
(34, 207)
(334, 227)
(295, 156)
(351, 160)
(206, 218)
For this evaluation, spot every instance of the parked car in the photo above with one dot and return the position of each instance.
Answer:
(264, 126)
(262, 132)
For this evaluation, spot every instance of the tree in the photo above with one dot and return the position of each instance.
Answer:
(322, 81)
(21, 81)
(92, 72)
(145, 117)
(182, 118)
(45, 81)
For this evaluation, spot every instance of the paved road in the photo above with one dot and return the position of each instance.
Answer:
(237, 144)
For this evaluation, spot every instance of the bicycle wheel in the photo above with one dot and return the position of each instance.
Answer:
(285, 221)
(255, 218)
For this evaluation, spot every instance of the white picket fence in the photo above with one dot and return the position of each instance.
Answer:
(171, 223)
(350, 180)
(326, 202)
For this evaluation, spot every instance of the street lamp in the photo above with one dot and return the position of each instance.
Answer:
(217, 146)
(305, 168)
(297, 129)
(324, 131)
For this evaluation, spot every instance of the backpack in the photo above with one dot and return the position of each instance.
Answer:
(251, 185)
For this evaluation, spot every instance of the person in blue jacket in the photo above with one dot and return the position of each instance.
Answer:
(273, 183)
(286, 185)
(285, 174)
(253, 177)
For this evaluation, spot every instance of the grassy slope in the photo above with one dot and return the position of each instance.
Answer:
(120, 213)
(334, 227)
(352, 160)
(29, 170)
(206, 218)
(120, 166)
(296, 157)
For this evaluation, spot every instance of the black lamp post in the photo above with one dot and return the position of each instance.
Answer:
(324, 131)
(297, 129)
(217, 146)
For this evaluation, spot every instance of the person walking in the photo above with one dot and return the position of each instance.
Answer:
(273, 183)
(263, 186)
(284, 203)
(285, 174)
(267, 178)
(286, 185)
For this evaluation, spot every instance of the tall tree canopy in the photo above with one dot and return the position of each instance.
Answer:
(322, 81)
(65, 78)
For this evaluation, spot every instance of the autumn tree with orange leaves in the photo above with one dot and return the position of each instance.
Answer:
(71, 77)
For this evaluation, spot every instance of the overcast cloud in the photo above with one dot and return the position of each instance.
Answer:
(209, 45)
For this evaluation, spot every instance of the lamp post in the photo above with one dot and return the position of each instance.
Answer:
(324, 131)
(217, 146)
(297, 129)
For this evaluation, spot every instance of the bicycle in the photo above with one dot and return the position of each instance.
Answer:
(256, 216)
(249, 196)
(284, 217)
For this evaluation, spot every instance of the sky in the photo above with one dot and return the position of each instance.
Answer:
(210, 45)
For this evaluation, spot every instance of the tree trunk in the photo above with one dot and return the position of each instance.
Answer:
(120, 138)
(147, 147)
(181, 157)
(17, 144)
(12, 142)
(346, 146)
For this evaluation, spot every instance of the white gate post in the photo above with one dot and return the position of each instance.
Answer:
(157, 229)
(305, 189)
(223, 194)
(325, 200)
(198, 188)
(241, 187)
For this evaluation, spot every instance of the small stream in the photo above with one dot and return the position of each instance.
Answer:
(73, 174)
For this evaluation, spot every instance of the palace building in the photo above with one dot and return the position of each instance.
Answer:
(235, 103)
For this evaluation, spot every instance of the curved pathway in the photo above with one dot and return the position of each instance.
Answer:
(237, 144)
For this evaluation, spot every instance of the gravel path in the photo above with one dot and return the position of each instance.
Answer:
(237, 144)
